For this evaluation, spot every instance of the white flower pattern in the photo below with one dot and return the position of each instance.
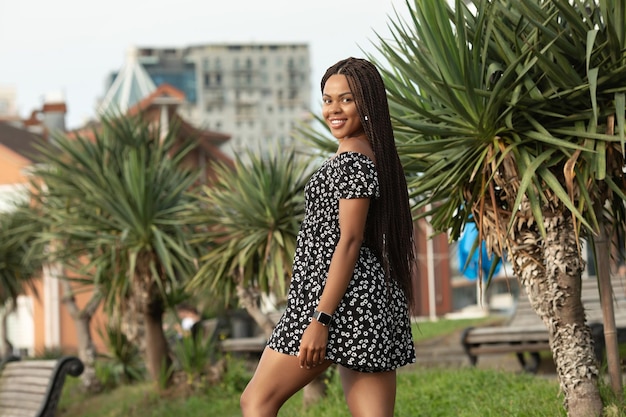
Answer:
(370, 331)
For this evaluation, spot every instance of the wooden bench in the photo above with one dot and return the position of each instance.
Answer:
(526, 335)
(249, 345)
(32, 388)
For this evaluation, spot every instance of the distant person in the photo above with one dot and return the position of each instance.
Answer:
(189, 320)
(352, 267)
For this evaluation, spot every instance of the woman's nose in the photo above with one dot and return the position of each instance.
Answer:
(335, 108)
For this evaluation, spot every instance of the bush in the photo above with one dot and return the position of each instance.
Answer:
(123, 364)
(195, 358)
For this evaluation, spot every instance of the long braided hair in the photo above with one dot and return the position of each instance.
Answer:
(390, 225)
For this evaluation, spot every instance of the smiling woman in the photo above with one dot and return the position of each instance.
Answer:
(339, 109)
(347, 300)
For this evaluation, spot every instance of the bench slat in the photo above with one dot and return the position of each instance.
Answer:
(32, 403)
(28, 379)
(15, 412)
(32, 388)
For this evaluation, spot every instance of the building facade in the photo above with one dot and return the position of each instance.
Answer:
(255, 93)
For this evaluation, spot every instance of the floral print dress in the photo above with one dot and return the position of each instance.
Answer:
(370, 331)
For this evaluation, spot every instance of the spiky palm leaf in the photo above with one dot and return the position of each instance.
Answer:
(18, 269)
(251, 216)
(520, 89)
(116, 201)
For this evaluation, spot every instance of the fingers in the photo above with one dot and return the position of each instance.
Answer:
(310, 358)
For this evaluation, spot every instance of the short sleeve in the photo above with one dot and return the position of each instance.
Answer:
(356, 176)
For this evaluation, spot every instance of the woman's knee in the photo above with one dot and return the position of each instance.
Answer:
(253, 406)
(244, 402)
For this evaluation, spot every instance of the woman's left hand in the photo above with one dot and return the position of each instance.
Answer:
(313, 345)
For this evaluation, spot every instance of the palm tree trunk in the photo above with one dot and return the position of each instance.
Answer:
(147, 300)
(550, 271)
(131, 323)
(601, 243)
(157, 350)
(249, 299)
(6, 349)
(315, 390)
(86, 348)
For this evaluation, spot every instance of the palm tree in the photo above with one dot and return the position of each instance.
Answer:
(18, 271)
(513, 114)
(113, 204)
(250, 217)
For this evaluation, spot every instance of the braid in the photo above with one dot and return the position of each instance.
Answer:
(390, 231)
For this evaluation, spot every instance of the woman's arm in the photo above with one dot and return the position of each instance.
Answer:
(352, 219)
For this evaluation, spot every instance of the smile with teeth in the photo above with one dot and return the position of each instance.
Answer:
(337, 122)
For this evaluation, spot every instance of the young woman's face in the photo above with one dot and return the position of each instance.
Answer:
(339, 109)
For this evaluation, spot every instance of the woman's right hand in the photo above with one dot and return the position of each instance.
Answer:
(313, 345)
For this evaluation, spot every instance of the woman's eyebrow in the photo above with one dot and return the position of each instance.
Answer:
(340, 95)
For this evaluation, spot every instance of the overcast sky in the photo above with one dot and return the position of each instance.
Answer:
(70, 46)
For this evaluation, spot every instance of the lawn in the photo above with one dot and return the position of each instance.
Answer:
(422, 392)
(428, 392)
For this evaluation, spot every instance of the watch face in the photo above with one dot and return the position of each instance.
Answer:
(322, 317)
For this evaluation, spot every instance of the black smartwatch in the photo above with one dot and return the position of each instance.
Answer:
(322, 317)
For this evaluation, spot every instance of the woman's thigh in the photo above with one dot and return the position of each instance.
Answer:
(369, 394)
(278, 376)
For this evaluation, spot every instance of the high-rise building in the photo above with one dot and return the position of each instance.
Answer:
(256, 93)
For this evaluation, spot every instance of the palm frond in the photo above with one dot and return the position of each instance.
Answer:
(493, 103)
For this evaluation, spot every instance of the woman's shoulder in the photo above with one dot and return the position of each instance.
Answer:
(349, 156)
(355, 147)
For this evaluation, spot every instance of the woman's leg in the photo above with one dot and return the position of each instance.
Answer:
(369, 394)
(277, 377)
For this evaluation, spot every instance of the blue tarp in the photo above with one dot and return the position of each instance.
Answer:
(466, 242)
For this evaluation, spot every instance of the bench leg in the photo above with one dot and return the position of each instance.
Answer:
(533, 365)
(472, 358)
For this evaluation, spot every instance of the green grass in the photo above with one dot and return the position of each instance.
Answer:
(422, 392)
(426, 330)
(465, 392)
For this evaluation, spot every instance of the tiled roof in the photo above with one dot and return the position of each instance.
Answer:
(169, 96)
(19, 140)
